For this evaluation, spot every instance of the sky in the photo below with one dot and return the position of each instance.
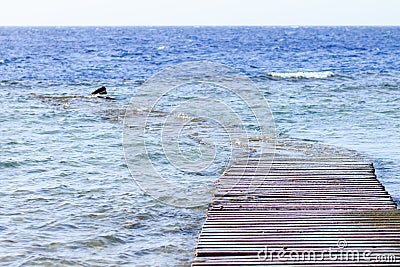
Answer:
(198, 12)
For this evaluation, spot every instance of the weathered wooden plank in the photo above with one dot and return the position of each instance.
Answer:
(298, 204)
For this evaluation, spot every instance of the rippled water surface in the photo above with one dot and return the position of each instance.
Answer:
(67, 195)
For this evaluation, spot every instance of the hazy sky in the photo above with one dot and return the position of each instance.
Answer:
(203, 12)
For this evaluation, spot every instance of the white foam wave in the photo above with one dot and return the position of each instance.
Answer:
(302, 75)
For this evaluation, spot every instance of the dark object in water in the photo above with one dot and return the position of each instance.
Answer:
(100, 91)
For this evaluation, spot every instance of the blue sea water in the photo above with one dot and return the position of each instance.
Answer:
(67, 197)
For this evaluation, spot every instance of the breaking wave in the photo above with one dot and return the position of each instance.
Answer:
(301, 75)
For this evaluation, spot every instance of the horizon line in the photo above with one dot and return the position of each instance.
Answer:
(201, 25)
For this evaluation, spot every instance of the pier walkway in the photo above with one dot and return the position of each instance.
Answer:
(330, 211)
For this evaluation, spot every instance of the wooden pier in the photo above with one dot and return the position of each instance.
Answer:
(329, 211)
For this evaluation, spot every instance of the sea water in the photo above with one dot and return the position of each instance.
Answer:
(67, 196)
